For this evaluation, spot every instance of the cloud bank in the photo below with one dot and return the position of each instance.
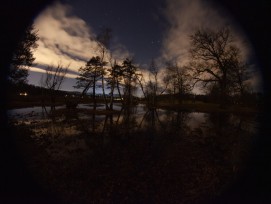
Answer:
(184, 18)
(66, 39)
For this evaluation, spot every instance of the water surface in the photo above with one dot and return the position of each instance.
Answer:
(135, 155)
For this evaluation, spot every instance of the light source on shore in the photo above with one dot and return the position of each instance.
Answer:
(23, 94)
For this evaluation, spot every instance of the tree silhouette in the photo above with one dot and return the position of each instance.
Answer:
(216, 59)
(53, 80)
(103, 41)
(89, 75)
(152, 85)
(129, 75)
(179, 79)
(113, 81)
(23, 56)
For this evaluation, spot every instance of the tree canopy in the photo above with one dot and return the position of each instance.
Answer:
(217, 59)
(23, 56)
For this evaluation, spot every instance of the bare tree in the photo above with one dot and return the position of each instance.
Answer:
(142, 83)
(239, 74)
(179, 79)
(129, 77)
(103, 41)
(215, 60)
(53, 80)
(111, 82)
(153, 82)
(115, 80)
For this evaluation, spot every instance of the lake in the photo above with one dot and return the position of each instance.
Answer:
(134, 155)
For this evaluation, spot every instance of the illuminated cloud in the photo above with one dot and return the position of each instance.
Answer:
(187, 16)
(68, 39)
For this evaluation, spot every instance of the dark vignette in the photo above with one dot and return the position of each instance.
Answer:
(255, 184)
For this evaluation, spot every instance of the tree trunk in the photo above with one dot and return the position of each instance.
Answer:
(223, 97)
(94, 95)
(118, 87)
(112, 96)
(106, 104)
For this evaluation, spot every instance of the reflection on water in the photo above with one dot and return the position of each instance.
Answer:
(136, 155)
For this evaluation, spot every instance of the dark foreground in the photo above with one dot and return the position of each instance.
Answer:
(135, 156)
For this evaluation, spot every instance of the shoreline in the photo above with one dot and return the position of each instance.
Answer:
(187, 107)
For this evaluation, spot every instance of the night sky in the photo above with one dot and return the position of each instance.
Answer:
(142, 30)
(139, 25)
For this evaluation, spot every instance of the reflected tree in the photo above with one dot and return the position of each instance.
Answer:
(147, 159)
(179, 122)
(230, 139)
(151, 120)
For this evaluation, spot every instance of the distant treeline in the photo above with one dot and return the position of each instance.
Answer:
(16, 89)
(250, 98)
(253, 98)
